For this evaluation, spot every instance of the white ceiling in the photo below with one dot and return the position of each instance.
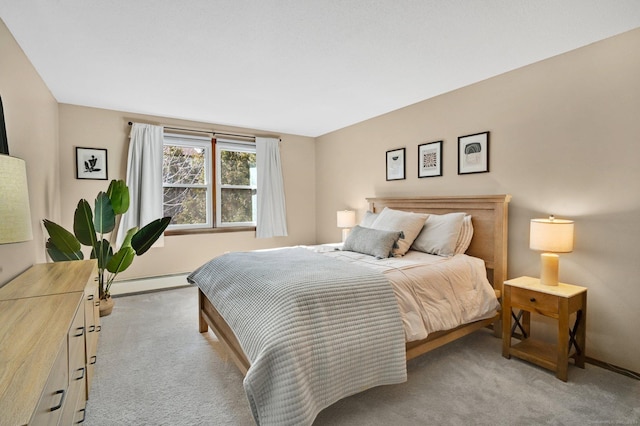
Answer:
(306, 67)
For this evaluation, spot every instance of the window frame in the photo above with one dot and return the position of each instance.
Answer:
(194, 142)
(237, 146)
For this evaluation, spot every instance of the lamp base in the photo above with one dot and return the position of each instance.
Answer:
(549, 268)
(345, 234)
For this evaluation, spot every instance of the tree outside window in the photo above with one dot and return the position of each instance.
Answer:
(188, 183)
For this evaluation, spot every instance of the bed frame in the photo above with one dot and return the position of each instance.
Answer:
(490, 224)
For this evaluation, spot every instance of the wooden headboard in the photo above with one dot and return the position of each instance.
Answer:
(489, 216)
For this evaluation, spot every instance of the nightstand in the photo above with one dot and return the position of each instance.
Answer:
(559, 302)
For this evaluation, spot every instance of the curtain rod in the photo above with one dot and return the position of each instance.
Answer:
(212, 132)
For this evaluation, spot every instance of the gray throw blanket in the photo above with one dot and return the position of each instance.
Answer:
(315, 329)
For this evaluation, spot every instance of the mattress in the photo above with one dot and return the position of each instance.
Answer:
(434, 293)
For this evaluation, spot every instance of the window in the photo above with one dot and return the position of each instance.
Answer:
(189, 165)
(236, 180)
(186, 182)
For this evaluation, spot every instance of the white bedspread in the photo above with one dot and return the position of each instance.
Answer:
(433, 292)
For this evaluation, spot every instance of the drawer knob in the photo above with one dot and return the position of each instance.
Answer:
(533, 299)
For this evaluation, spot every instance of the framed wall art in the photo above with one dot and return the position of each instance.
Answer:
(91, 163)
(473, 153)
(4, 144)
(396, 164)
(430, 159)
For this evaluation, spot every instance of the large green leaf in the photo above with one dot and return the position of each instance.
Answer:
(105, 218)
(149, 234)
(102, 252)
(59, 256)
(121, 260)
(118, 193)
(128, 236)
(83, 224)
(62, 239)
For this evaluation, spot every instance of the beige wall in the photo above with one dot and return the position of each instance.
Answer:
(99, 128)
(565, 139)
(31, 115)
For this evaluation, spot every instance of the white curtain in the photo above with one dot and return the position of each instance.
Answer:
(272, 217)
(144, 179)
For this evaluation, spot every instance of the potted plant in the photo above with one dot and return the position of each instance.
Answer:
(90, 230)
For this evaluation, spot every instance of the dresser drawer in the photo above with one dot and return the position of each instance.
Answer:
(534, 301)
(55, 392)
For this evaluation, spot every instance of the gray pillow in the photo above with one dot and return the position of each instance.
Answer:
(368, 219)
(373, 242)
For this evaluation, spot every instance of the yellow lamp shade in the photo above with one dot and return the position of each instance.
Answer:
(552, 235)
(15, 215)
(346, 219)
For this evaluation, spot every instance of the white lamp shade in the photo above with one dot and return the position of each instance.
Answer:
(551, 235)
(346, 219)
(15, 215)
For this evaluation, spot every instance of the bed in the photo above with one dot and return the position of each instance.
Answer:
(489, 243)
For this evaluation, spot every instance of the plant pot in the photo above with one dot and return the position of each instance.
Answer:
(106, 306)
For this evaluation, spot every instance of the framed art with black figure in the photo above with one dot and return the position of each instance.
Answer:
(91, 163)
(473, 153)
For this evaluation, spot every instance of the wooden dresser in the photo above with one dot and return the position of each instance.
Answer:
(49, 324)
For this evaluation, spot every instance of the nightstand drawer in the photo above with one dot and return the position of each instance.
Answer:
(534, 300)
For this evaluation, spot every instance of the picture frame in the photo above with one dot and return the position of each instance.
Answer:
(396, 161)
(4, 144)
(91, 163)
(430, 159)
(473, 153)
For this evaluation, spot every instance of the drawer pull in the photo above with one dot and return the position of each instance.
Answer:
(90, 297)
(533, 299)
(84, 414)
(92, 328)
(61, 392)
(99, 328)
(97, 303)
(82, 369)
(80, 332)
(93, 360)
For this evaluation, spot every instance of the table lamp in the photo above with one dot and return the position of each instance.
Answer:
(550, 236)
(15, 215)
(346, 221)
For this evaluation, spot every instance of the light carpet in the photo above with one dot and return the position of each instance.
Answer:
(155, 368)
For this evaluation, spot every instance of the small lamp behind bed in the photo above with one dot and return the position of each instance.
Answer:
(346, 221)
(550, 236)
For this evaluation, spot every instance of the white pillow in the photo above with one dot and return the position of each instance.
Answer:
(368, 219)
(440, 234)
(396, 220)
(465, 236)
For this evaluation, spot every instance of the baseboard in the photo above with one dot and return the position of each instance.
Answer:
(614, 368)
(145, 285)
